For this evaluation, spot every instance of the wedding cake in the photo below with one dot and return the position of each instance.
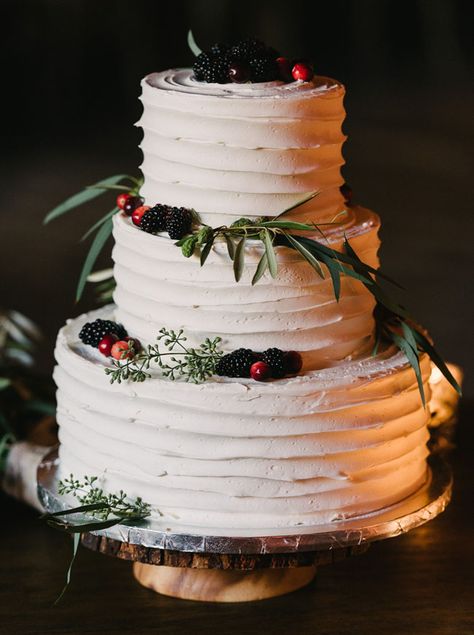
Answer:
(343, 433)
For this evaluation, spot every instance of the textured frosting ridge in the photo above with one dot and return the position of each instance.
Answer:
(242, 150)
(240, 454)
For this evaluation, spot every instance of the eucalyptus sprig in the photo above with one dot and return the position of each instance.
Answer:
(106, 509)
(177, 361)
(103, 227)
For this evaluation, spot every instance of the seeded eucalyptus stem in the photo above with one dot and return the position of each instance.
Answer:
(191, 364)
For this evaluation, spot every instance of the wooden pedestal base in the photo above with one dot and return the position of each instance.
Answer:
(216, 585)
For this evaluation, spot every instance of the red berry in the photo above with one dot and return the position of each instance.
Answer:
(138, 213)
(132, 203)
(293, 362)
(260, 371)
(284, 69)
(122, 199)
(106, 343)
(302, 71)
(121, 350)
(239, 73)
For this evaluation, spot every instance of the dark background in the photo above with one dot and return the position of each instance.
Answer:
(70, 82)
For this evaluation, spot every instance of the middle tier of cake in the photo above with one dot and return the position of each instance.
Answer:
(158, 287)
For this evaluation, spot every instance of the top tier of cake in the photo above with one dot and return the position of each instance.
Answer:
(237, 150)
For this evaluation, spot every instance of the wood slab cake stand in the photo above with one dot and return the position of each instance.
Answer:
(227, 568)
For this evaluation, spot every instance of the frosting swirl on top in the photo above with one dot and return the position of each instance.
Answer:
(183, 80)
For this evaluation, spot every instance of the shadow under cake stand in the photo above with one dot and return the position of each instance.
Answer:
(222, 567)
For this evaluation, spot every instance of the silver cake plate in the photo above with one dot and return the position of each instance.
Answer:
(417, 509)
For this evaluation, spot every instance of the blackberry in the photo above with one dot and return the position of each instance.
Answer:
(154, 220)
(178, 222)
(246, 49)
(212, 68)
(236, 364)
(275, 358)
(263, 69)
(92, 332)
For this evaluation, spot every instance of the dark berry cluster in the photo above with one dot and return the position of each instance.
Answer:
(248, 60)
(177, 221)
(272, 363)
(110, 338)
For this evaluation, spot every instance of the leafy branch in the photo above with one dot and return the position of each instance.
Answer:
(175, 362)
(103, 227)
(96, 503)
(394, 323)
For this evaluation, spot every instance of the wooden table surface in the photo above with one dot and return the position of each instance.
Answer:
(420, 583)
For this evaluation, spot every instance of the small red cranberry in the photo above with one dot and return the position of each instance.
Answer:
(138, 213)
(106, 343)
(284, 69)
(121, 350)
(260, 371)
(122, 199)
(303, 71)
(293, 362)
(131, 204)
(239, 73)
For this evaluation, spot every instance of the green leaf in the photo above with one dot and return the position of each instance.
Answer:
(261, 268)
(334, 269)
(192, 44)
(76, 540)
(412, 356)
(94, 251)
(299, 203)
(307, 255)
(4, 383)
(206, 250)
(239, 259)
(82, 197)
(271, 256)
(230, 246)
(287, 224)
(75, 510)
(437, 360)
(80, 528)
(376, 272)
(100, 222)
(40, 406)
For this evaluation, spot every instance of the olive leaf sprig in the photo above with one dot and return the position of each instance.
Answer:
(273, 232)
(103, 227)
(395, 324)
(106, 509)
(175, 362)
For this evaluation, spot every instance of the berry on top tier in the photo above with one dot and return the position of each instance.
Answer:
(249, 59)
(92, 332)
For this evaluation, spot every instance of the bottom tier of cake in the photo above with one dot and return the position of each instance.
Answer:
(239, 454)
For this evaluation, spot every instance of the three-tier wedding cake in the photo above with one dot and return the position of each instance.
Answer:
(345, 435)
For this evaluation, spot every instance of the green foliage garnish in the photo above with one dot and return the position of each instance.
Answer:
(108, 509)
(102, 227)
(177, 361)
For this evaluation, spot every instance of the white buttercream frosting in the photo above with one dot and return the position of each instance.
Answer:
(345, 437)
(242, 149)
(240, 454)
